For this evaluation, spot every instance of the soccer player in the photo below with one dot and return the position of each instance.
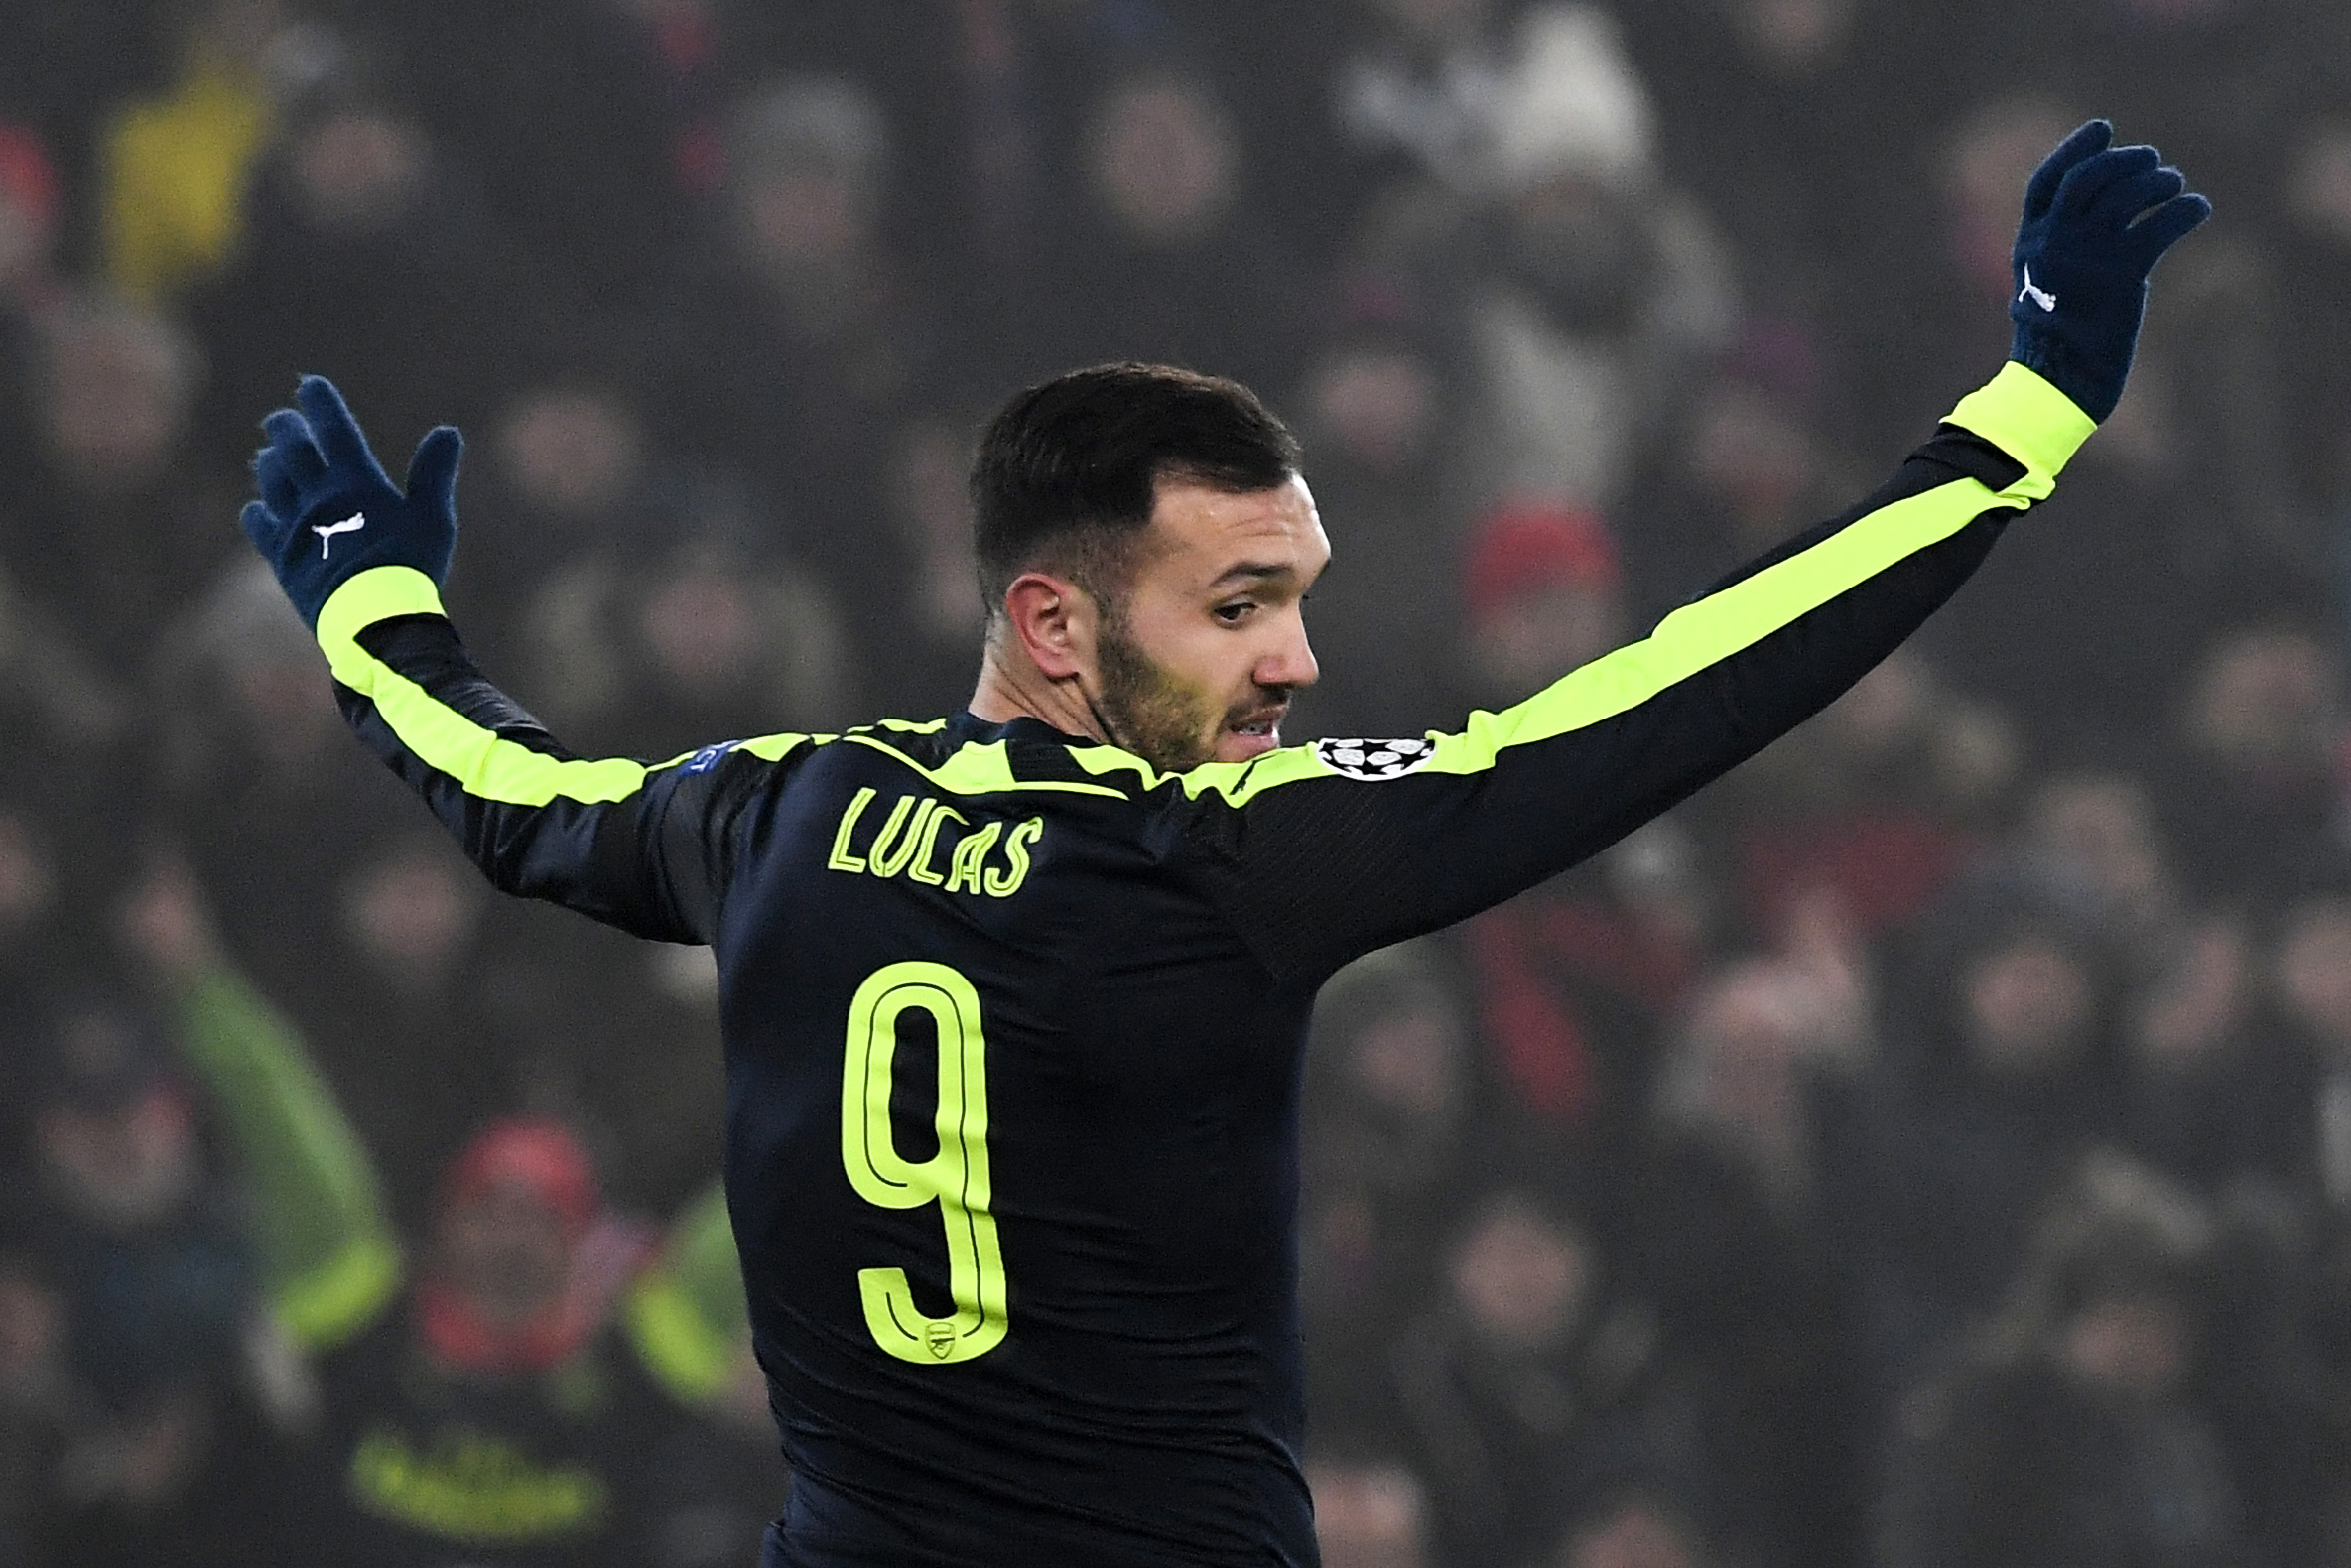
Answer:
(1014, 1000)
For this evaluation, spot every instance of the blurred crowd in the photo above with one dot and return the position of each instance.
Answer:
(1930, 1148)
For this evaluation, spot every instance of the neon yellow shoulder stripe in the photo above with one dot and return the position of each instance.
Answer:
(2018, 412)
(484, 765)
(981, 768)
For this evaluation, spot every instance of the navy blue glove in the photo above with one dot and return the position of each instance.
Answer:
(327, 510)
(2097, 219)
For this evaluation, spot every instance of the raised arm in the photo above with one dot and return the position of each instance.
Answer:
(1342, 847)
(644, 848)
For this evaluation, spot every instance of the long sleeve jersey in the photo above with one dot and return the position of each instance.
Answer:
(1013, 1020)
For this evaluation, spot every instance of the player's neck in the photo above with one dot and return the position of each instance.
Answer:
(1010, 687)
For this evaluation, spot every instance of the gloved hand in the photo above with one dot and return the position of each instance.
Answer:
(2081, 262)
(327, 510)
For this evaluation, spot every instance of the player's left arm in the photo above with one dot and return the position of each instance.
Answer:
(642, 847)
(1339, 847)
(1332, 851)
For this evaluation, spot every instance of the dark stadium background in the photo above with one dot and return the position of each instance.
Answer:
(1931, 1147)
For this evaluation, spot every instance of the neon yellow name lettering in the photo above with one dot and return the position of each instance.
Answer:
(962, 872)
(919, 867)
(893, 847)
(840, 860)
(1003, 885)
(907, 844)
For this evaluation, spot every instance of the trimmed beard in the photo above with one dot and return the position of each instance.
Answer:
(1147, 710)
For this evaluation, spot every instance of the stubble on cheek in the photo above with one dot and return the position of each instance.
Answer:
(1151, 712)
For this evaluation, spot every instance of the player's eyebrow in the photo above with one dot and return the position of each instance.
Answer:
(1254, 572)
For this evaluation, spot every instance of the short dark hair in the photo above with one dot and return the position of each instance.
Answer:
(1068, 471)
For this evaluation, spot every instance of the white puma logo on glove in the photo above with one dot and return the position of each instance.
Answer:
(326, 532)
(2041, 297)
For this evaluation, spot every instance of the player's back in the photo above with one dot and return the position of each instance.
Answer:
(1011, 1158)
(1027, 1297)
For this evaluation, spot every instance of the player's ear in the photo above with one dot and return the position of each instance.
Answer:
(1052, 619)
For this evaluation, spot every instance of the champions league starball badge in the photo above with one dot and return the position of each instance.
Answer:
(1372, 760)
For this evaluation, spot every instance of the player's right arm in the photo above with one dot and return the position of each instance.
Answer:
(644, 848)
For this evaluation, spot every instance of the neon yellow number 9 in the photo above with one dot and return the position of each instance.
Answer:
(955, 1178)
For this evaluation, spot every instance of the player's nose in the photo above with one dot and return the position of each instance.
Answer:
(1291, 664)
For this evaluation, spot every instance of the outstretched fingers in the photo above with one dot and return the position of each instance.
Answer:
(290, 440)
(2092, 177)
(433, 471)
(333, 427)
(2168, 224)
(265, 528)
(280, 492)
(2125, 198)
(2040, 193)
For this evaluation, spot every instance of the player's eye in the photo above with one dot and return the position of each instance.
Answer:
(1235, 614)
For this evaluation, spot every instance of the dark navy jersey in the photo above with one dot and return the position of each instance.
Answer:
(1013, 1020)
